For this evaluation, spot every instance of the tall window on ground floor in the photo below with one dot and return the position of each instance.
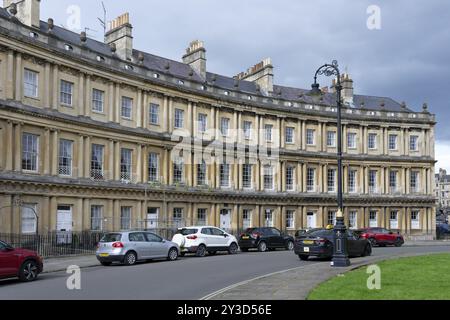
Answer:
(125, 218)
(246, 218)
(177, 217)
(373, 219)
(268, 218)
(28, 218)
(415, 219)
(331, 218)
(201, 216)
(290, 219)
(352, 220)
(393, 219)
(96, 218)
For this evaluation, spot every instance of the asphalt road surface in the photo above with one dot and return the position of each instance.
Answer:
(189, 278)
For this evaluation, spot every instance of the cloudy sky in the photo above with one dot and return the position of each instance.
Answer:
(406, 59)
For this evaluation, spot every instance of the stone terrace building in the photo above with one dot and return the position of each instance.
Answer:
(90, 131)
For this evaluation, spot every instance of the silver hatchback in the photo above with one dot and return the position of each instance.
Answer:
(130, 247)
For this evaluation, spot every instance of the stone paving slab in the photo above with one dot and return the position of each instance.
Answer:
(61, 264)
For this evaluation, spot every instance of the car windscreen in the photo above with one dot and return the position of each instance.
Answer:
(186, 232)
(319, 233)
(111, 237)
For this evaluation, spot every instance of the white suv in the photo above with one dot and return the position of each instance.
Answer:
(200, 240)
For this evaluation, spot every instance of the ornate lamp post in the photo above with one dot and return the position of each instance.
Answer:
(340, 254)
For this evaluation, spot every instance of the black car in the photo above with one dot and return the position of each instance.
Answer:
(319, 243)
(264, 239)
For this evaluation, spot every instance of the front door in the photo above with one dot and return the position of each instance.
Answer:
(152, 218)
(64, 224)
(225, 219)
(311, 220)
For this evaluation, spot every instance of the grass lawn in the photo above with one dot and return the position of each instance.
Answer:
(415, 278)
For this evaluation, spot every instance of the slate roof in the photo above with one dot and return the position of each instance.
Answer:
(184, 71)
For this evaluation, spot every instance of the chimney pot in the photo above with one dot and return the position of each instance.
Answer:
(51, 24)
(83, 36)
(13, 9)
(261, 73)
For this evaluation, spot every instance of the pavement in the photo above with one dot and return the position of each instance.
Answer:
(276, 275)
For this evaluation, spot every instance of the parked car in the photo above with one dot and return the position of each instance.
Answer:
(131, 247)
(19, 263)
(382, 237)
(319, 243)
(264, 239)
(205, 239)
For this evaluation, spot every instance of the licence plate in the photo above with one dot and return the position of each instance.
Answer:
(104, 254)
(245, 237)
(308, 242)
(306, 249)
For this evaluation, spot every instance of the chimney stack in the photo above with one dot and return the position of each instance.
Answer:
(261, 73)
(120, 35)
(195, 57)
(28, 11)
(347, 88)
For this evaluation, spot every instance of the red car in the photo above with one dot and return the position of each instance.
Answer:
(382, 237)
(21, 263)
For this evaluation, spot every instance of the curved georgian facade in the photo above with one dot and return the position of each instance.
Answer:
(101, 136)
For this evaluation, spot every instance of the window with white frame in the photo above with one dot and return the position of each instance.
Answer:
(125, 218)
(373, 219)
(96, 218)
(202, 122)
(290, 178)
(289, 135)
(178, 170)
(268, 131)
(372, 141)
(246, 218)
(31, 83)
(247, 130)
(65, 157)
(268, 218)
(28, 218)
(331, 180)
(153, 116)
(415, 219)
(352, 219)
(224, 126)
(127, 107)
(225, 175)
(201, 173)
(201, 216)
(373, 181)
(177, 217)
(310, 137)
(30, 152)
(414, 181)
(331, 218)
(125, 164)
(66, 93)
(393, 180)
(290, 219)
(179, 119)
(392, 142)
(413, 143)
(393, 219)
(268, 177)
(331, 139)
(351, 140)
(310, 179)
(153, 167)
(247, 176)
(97, 162)
(98, 100)
(351, 181)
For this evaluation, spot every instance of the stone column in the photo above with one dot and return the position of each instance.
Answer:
(19, 81)
(171, 114)
(111, 102)
(281, 132)
(139, 111)
(47, 82)
(165, 113)
(139, 164)
(87, 99)
(55, 97)
(86, 214)
(9, 146)
(18, 147)
(81, 156)
(87, 157)
(194, 121)
(10, 76)
(299, 177)
(117, 161)
(55, 152)
(117, 103)
(81, 95)
(52, 213)
(300, 134)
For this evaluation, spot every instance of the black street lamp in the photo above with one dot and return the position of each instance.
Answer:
(340, 254)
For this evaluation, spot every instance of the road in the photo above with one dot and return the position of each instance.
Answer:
(189, 278)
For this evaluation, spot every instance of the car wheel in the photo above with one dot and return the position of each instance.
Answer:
(373, 242)
(303, 257)
(106, 264)
(201, 251)
(290, 245)
(130, 258)
(367, 251)
(212, 253)
(28, 271)
(262, 246)
(398, 242)
(173, 254)
(233, 249)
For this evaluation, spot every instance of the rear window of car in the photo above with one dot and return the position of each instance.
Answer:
(111, 237)
(319, 233)
(186, 232)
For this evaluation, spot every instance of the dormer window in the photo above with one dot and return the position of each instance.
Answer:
(371, 113)
(129, 67)
(249, 97)
(34, 35)
(227, 93)
(181, 82)
(203, 87)
(156, 75)
(68, 47)
(100, 59)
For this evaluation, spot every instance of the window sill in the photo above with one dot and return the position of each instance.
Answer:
(98, 112)
(70, 106)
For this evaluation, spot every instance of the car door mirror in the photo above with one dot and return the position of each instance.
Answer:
(225, 235)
